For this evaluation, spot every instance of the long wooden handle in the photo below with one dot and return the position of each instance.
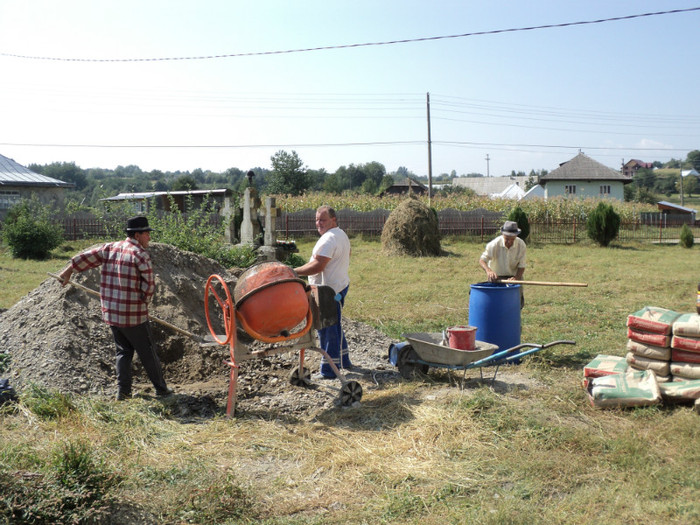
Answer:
(156, 319)
(541, 283)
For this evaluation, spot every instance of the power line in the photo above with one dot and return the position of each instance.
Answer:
(350, 46)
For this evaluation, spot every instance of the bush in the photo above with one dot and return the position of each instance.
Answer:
(687, 239)
(603, 224)
(29, 231)
(518, 215)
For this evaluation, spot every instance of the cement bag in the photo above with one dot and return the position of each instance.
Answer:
(644, 363)
(687, 324)
(631, 389)
(681, 390)
(685, 370)
(681, 356)
(685, 343)
(652, 319)
(604, 365)
(650, 351)
(648, 338)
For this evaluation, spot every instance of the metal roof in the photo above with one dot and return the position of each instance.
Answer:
(670, 205)
(582, 167)
(150, 194)
(14, 174)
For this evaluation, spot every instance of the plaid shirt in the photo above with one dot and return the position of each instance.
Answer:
(127, 283)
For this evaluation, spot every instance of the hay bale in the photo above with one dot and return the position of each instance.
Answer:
(411, 229)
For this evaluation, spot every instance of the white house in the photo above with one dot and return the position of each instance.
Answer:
(584, 177)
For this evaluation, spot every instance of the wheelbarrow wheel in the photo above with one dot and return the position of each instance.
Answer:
(300, 376)
(350, 393)
(407, 365)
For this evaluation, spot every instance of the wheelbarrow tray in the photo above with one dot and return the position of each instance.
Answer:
(430, 350)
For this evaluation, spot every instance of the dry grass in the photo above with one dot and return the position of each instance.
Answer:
(531, 450)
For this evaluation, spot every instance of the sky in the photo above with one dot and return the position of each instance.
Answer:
(217, 84)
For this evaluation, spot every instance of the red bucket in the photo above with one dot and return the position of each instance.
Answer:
(462, 337)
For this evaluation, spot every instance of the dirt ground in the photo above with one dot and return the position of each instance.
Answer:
(56, 338)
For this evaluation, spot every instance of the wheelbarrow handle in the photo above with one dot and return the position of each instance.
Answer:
(504, 356)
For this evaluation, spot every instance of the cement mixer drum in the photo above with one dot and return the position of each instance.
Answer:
(271, 299)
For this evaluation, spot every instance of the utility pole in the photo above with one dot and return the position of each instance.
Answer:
(681, 170)
(430, 154)
(487, 165)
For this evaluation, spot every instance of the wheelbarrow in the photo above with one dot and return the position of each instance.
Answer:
(423, 350)
(272, 305)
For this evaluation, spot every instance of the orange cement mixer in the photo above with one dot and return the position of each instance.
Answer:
(271, 300)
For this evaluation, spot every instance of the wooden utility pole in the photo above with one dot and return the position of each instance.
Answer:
(487, 164)
(681, 170)
(430, 154)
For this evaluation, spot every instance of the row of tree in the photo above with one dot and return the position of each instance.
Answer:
(288, 175)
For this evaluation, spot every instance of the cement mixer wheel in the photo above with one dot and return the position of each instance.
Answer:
(300, 376)
(350, 393)
(407, 365)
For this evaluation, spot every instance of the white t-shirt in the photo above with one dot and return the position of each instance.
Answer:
(505, 261)
(335, 245)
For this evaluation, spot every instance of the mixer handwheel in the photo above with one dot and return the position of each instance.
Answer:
(300, 376)
(350, 393)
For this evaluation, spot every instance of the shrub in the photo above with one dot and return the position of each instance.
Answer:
(603, 224)
(29, 231)
(687, 239)
(518, 215)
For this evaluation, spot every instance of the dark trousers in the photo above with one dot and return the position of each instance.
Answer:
(140, 339)
(332, 340)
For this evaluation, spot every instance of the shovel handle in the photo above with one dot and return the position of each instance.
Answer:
(541, 283)
(155, 319)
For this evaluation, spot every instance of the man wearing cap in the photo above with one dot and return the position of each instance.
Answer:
(127, 285)
(504, 257)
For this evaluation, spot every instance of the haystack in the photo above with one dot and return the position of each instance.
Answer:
(411, 229)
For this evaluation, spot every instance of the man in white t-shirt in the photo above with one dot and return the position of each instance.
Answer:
(504, 257)
(329, 263)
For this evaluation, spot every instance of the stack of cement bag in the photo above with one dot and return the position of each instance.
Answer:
(685, 347)
(649, 335)
(662, 364)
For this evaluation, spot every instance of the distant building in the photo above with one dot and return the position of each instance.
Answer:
(632, 166)
(669, 209)
(490, 185)
(536, 192)
(18, 182)
(583, 177)
(142, 202)
(405, 186)
(513, 191)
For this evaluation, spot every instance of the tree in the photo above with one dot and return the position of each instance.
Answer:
(690, 183)
(686, 238)
(288, 174)
(30, 232)
(184, 183)
(65, 171)
(603, 224)
(518, 215)
(693, 159)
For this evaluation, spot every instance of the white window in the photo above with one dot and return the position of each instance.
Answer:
(8, 199)
(605, 189)
(570, 189)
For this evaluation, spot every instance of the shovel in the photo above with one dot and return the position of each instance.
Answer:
(157, 320)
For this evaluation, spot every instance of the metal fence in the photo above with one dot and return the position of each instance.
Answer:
(478, 225)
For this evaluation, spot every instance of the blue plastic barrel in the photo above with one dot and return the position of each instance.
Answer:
(494, 308)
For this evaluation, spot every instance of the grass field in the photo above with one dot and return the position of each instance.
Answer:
(419, 452)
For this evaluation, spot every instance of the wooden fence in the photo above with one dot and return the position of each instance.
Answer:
(478, 225)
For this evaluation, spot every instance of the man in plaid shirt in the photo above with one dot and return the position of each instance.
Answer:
(126, 287)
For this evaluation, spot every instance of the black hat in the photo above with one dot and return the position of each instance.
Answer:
(510, 228)
(138, 224)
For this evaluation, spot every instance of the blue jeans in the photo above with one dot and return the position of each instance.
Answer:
(332, 340)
